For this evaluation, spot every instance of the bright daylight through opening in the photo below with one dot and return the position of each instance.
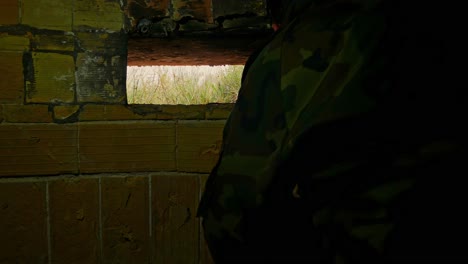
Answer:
(186, 85)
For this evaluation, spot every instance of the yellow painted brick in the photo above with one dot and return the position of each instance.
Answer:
(54, 76)
(198, 145)
(127, 146)
(12, 80)
(38, 149)
(47, 14)
(9, 12)
(13, 43)
(100, 14)
(62, 42)
(27, 114)
(62, 112)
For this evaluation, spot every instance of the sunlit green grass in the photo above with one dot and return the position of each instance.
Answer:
(183, 84)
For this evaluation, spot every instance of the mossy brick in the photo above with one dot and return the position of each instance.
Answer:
(125, 219)
(60, 42)
(9, 12)
(100, 78)
(238, 7)
(96, 112)
(38, 149)
(99, 14)
(13, 43)
(198, 145)
(47, 14)
(23, 225)
(198, 9)
(127, 146)
(74, 220)
(35, 113)
(176, 228)
(64, 112)
(53, 78)
(12, 81)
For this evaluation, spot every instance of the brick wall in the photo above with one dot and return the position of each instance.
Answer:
(84, 177)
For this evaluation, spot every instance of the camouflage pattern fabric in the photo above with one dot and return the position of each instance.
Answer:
(334, 140)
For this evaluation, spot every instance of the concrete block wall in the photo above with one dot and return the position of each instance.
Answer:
(85, 177)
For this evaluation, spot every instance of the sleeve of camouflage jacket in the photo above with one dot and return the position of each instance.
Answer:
(315, 78)
(300, 79)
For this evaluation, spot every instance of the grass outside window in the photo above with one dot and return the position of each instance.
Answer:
(187, 85)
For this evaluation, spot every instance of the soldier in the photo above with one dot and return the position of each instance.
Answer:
(336, 145)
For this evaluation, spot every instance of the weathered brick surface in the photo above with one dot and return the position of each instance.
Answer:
(46, 14)
(198, 145)
(127, 146)
(9, 12)
(27, 114)
(92, 112)
(49, 42)
(12, 81)
(199, 9)
(98, 14)
(96, 112)
(101, 42)
(100, 78)
(65, 112)
(219, 111)
(147, 8)
(175, 225)
(38, 149)
(125, 220)
(182, 112)
(53, 78)
(74, 219)
(23, 225)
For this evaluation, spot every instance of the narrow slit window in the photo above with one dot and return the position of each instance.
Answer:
(183, 84)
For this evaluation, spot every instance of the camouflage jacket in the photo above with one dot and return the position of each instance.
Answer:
(317, 114)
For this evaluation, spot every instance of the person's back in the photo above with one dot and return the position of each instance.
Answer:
(345, 140)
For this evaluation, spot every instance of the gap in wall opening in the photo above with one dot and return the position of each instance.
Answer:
(186, 70)
(183, 84)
